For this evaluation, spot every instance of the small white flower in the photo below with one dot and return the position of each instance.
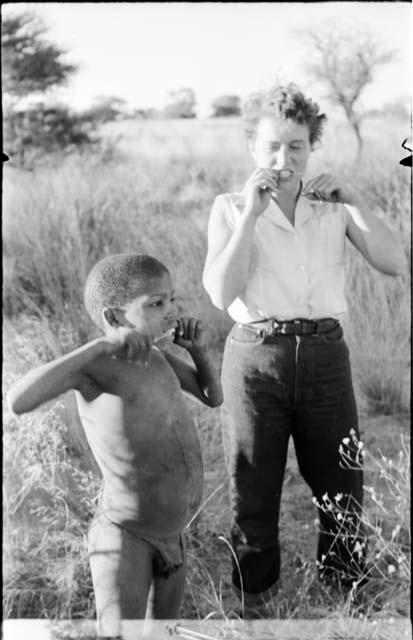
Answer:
(358, 548)
(339, 516)
(338, 497)
(325, 497)
(360, 445)
(346, 440)
(391, 569)
(352, 432)
(323, 557)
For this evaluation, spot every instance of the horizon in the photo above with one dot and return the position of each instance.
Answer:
(167, 46)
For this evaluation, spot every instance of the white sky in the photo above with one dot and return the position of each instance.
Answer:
(141, 51)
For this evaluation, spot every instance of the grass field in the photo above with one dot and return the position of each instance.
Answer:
(151, 189)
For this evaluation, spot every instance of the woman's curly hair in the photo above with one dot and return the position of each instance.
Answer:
(286, 102)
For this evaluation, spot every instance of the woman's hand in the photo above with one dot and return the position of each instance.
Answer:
(328, 188)
(258, 190)
(190, 333)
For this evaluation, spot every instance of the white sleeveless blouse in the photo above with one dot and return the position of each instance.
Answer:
(295, 272)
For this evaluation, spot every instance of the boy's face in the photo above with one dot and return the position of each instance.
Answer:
(153, 311)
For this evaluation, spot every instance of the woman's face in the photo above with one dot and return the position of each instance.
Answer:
(282, 144)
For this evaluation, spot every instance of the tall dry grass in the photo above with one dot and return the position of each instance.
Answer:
(152, 192)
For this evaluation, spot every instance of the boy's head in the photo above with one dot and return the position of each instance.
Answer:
(133, 290)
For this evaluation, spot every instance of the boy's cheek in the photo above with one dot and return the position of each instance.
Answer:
(143, 325)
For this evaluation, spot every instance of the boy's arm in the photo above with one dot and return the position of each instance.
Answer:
(71, 371)
(52, 379)
(201, 381)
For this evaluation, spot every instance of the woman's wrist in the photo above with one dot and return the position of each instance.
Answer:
(249, 217)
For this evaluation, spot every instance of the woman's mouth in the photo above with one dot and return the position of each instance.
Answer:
(284, 174)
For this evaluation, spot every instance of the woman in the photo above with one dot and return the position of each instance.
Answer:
(275, 261)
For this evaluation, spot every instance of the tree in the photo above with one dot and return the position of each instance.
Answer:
(30, 64)
(345, 62)
(181, 104)
(32, 67)
(226, 105)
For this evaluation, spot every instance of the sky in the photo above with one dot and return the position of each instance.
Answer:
(142, 51)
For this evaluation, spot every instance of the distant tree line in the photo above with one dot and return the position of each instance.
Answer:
(33, 67)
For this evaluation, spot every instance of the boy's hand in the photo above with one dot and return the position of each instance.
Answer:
(189, 333)
(128, 344)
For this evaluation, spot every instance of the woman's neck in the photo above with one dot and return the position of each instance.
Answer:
(287, 202)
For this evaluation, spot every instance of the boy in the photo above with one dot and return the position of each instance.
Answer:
(130, 403)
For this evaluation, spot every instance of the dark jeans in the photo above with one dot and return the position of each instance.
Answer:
(274, 387)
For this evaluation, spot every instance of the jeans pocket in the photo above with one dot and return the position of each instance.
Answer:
(246, 336)
(335, 335)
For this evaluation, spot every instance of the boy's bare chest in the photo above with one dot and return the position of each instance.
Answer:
(136, 384)
(136, 409)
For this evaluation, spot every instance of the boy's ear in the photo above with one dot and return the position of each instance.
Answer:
(112, 317)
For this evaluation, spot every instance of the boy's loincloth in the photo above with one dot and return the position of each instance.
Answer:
(169, 552)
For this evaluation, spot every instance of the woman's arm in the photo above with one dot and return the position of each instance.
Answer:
(228, 259)
(375, 241)
(229, 251)
(370, 235)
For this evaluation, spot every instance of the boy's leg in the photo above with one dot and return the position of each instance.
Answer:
(121, 567)
(326, 411)
(166, 595)
(256, 420)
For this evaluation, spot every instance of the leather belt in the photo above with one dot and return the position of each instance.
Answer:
(298, 326)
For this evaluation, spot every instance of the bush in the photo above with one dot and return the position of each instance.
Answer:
(31, 133)
(226, 106)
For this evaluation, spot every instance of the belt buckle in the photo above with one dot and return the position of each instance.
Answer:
(275, 327)
(300, 324)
